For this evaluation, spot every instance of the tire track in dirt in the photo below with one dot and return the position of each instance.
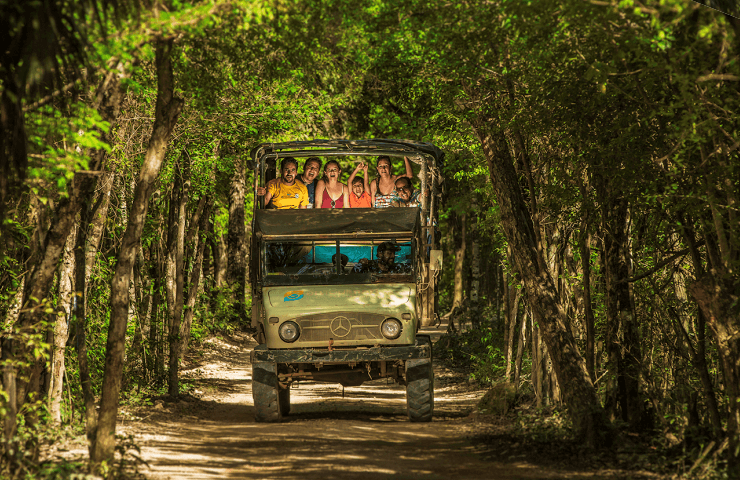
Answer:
(331, 433)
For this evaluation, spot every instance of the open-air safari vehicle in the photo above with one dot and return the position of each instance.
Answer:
(320, 313)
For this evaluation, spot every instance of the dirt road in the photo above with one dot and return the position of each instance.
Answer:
(361, 433)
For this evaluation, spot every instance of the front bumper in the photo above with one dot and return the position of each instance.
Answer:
(422, 349)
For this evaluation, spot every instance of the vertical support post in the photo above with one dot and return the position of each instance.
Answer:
(431, 202)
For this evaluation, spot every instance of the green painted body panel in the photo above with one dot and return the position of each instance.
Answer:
(320, 310)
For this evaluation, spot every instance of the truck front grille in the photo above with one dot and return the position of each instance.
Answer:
(340, 326)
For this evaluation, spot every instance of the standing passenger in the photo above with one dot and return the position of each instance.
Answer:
(359, 196)
(285, 192)
(330, 192)
(311, 170)
(407, 196)
(383, 189)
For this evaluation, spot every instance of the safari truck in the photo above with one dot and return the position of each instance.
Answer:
(338, 295)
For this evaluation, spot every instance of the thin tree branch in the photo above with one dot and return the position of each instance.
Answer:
(659, 265)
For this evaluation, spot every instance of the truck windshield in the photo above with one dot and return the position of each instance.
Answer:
(339, 257)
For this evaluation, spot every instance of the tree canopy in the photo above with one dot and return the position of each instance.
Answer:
(591, 171)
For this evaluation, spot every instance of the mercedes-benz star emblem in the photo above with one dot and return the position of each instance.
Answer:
(340, 326)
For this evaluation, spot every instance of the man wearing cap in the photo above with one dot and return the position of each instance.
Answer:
(385, 263)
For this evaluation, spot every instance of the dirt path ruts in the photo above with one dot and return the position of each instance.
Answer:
(363, 435)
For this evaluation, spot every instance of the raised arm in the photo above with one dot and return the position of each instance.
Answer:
(365, 179)
(409, 170)
(354, 173)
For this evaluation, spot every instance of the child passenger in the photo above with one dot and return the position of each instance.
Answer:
(359, 196)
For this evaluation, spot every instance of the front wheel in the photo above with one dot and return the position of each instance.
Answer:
(265, 392)
(284, 399)
(419, 389)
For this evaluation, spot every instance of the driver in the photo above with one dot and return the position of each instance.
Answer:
(385, 263)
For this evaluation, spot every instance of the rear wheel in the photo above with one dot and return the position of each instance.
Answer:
(419, 390)
(265, 390)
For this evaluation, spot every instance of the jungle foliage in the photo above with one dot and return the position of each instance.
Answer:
(590, 223)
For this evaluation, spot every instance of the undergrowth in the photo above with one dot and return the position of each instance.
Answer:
(478, 350)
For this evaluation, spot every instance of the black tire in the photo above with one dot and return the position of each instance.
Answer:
(265, 392)
(419, 390)
(284, 400)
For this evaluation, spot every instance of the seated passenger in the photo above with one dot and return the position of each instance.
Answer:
(330, 192)
(285, 192)
(359, 196)
(385, 263)
(309, 178)
(406, 195)
(383, 189)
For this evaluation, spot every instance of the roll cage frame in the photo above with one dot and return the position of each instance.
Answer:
(264, 163)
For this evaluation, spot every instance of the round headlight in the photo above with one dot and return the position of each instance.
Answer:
(289, 332)
(391, 328)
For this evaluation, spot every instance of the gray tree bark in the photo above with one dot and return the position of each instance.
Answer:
(578, 390)
(61, 330)
(166, 113)
(194, 280)
(36, 297)
(176, 274)
(237, 240)
(512, 314)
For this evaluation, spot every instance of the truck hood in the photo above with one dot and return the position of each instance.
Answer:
(337, 297)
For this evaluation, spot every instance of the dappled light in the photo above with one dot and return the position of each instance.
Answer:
(362, 434)
(321, 239)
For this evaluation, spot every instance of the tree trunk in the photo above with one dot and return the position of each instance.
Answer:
(61, 329)
(98, 218)
(10, 400)
(521, 345)
(577, 388)
(156, 357)
(167, 110)
(37, 293)
(537, 372)
(140, 298)
(194, 280)
(237, 240)
(512, 314)
(714, 294)
(588, 313)
(474, 266)
(80, 315)
(220, 259)
(460, 248)
(176, 275)
(622, 342)
(144, 300)
(701, 355)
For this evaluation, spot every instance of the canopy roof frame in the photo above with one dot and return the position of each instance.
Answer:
(416, 151)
